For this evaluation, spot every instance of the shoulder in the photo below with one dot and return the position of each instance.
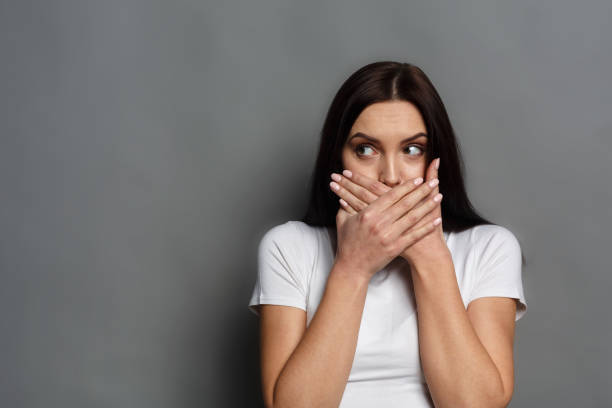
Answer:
(494, 245)
(486, 242)
(295, 239)
(290, 233)
(485, 235)
(281, 232)
(497, 267)
(495, 238)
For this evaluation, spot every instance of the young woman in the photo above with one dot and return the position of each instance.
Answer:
(391, 291)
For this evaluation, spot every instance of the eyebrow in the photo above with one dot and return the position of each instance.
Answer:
(373, 139)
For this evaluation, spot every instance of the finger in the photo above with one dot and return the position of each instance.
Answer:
(412, 218)
(431, 169)
(413, 235)
(429, 217)
(341, 216)
(360, 192)
(371, 184)
(347, 207)
(435, 173)
(353, 201)
(392, 196)
(432, 173)
(409, 202)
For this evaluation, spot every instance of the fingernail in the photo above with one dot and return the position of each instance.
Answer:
(434, 182)
(418, 181)
(336, 177)
(347, 173)
(437, 163)
(334, 186)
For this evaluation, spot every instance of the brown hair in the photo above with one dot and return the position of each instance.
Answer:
(379, 82)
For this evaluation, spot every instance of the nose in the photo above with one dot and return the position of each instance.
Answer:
(389, 173)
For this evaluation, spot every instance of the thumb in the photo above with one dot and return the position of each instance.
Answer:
(431, 172)
(341, 216)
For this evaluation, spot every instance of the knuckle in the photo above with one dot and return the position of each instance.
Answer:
(376, 229)
(379, 187)
(407, 203)
(386, 241)
(365, 217)
(427, 218)
(411, 218)
(389, 248)
(407, 239)
(425, 190)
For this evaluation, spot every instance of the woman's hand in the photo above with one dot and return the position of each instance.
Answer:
(357, 191)
(371, 238)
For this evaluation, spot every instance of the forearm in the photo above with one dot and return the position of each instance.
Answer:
(317, 371)
(457, 367)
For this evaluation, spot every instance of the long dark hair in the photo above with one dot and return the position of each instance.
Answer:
(379, 82)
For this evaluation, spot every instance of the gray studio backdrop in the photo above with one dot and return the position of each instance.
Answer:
(147, 145)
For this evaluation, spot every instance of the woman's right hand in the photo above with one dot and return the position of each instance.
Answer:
(370, 239)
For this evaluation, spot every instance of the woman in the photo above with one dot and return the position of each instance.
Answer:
(385, 294)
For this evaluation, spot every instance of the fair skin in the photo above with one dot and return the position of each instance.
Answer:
(466, 356)
(309, 367)
(396, 156)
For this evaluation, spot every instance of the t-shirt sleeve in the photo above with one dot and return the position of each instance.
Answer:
(281, 272)
(499, 269)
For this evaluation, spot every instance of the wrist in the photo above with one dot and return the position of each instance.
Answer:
(350, 271)
(437, 262)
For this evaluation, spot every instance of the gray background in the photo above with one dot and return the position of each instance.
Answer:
(146, 146)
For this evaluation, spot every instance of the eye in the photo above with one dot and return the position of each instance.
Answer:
(407, 150)
(358, 149)
(417, 146)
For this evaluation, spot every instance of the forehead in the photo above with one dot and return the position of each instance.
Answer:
(389, 118)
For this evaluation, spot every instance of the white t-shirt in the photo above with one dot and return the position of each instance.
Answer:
(294, 261)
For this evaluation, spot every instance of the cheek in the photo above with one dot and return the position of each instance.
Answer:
(348, 161)
(418, 169)
(412, 170)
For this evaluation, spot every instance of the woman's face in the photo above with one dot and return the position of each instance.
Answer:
(388, 143)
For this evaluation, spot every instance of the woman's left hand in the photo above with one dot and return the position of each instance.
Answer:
(358, 191)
